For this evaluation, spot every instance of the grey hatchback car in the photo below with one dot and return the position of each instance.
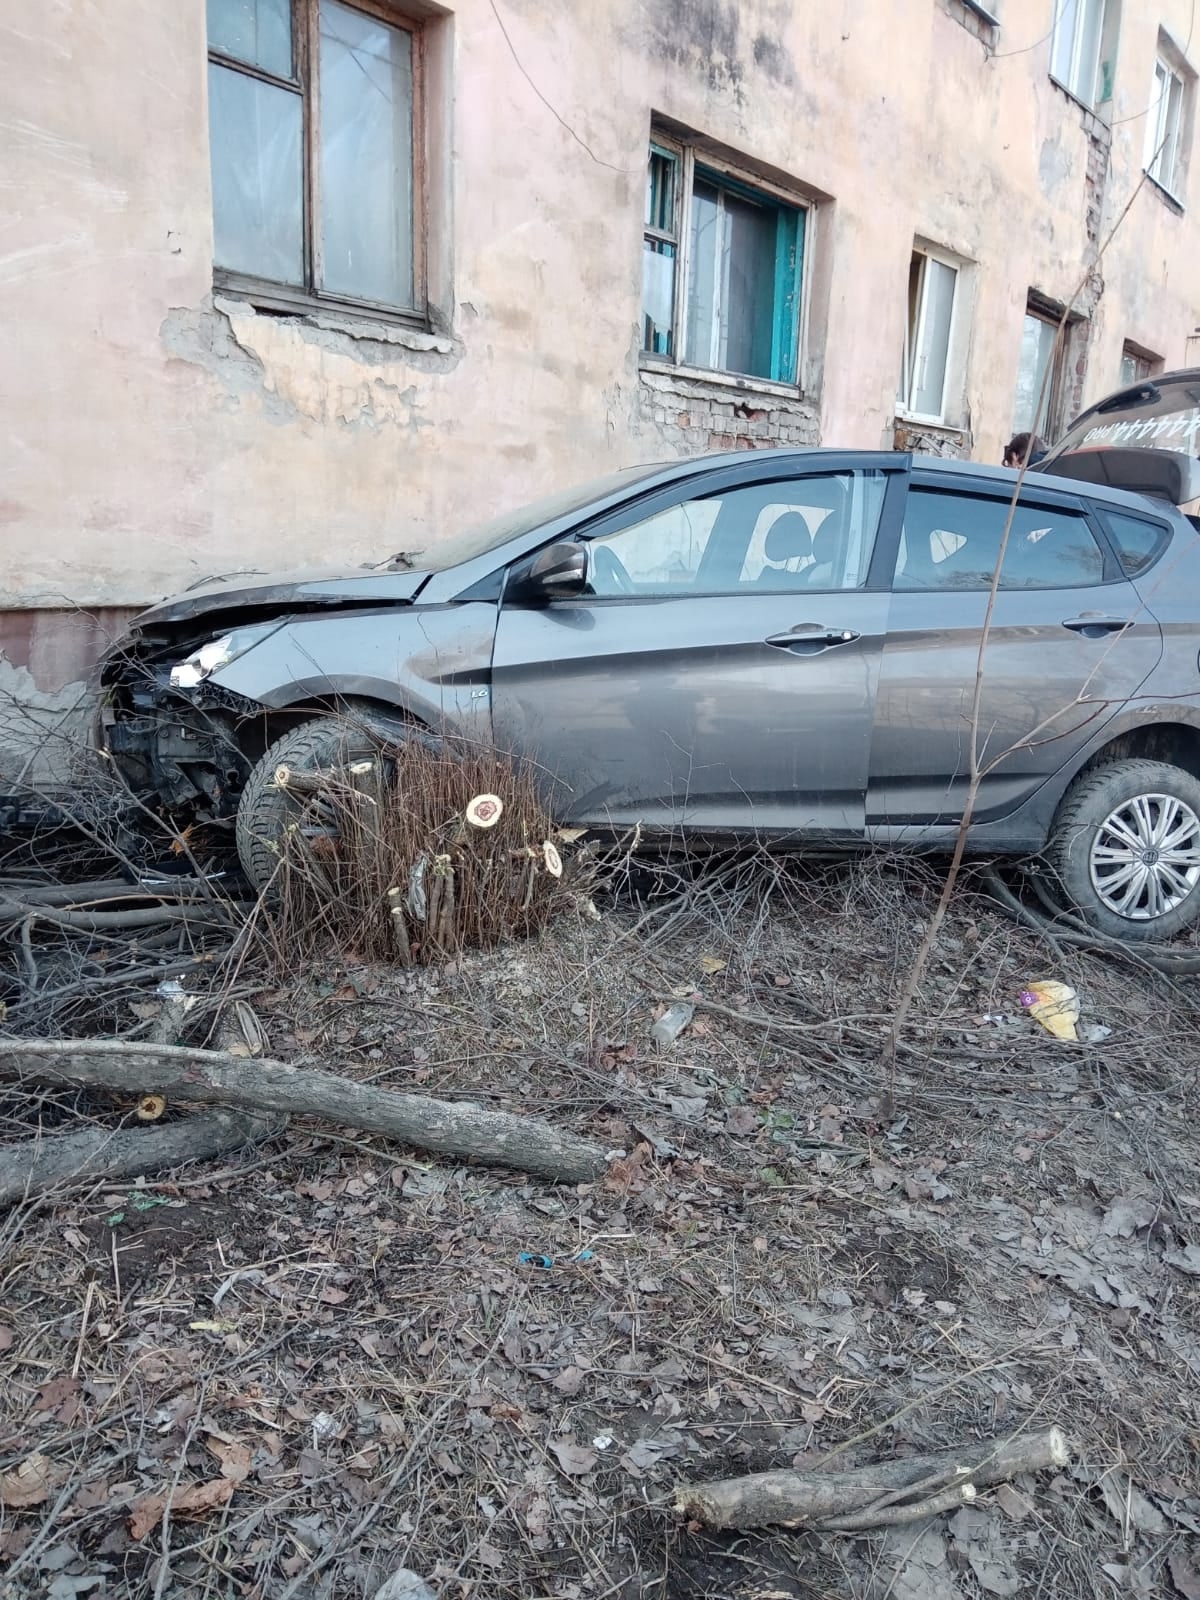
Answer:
(779, 644)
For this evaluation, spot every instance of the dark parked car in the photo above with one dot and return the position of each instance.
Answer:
(780, 643)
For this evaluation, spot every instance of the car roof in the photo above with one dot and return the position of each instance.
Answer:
(950, 466)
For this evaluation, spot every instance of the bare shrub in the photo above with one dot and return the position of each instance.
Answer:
(386, 858)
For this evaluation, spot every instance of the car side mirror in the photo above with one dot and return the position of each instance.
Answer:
(559, 572)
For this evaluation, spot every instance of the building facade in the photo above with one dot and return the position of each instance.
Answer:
(289, 282)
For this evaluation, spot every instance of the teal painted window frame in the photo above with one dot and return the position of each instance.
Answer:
(661, 236)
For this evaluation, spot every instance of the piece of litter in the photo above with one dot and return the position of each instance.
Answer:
(534, 1258)
(602, 1441)
(671, 1024)
(1054, 1005)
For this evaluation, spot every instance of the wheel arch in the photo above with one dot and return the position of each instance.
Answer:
(1175, 742)
(256, 734)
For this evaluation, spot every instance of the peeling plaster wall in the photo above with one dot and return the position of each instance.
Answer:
(156, 433)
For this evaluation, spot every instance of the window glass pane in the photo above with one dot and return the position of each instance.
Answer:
(1170, 150)
(254, 141)
(658, 295)
(1088, 55)
(934, 342)
(1066, 21)
(731, 282)
(908, 369)
(1138, 543)
(1156, 120)
(806, 533)
(660, 555)
(366, 157)
(702, 343)
(953, 542)
(1037, 347)
(817, 533)
(257, 31)
(749, 288)
(660, 192)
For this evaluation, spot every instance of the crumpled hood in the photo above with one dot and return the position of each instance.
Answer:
(278, 592)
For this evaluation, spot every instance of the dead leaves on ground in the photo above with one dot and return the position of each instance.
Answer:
(29, 1484)
(194, 1500)
(191, 1500)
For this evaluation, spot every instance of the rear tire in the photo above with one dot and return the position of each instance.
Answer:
(1125, 847)
(265, 811)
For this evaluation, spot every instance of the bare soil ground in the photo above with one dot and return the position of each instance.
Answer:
(337, 1358)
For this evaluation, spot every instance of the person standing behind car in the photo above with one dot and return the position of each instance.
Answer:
(1016, 448)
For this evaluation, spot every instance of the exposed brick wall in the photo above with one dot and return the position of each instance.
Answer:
(923, 440)
(691, 415)
(1075, 362)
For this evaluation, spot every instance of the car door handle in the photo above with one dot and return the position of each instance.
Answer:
(809, 640)
(1094, 625)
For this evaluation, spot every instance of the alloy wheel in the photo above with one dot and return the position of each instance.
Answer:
(1145, 858)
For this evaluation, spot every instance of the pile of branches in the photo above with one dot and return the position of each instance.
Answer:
(417, 854)
(101, 902)
(408, 857)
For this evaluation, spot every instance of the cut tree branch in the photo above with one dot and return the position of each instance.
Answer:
(36, 1166)
(875, 1496)
(209, 1078)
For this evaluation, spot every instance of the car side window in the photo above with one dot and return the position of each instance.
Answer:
(1138, 543)
(791, 535)
(952, 541)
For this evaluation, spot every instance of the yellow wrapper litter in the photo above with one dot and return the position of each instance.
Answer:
(1055, 1006)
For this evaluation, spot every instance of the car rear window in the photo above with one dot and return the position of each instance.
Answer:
(1137, 541)
(1150, 416)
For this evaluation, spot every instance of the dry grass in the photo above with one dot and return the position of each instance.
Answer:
(390, 859)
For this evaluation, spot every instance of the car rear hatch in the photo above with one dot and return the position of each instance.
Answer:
(1145, 438)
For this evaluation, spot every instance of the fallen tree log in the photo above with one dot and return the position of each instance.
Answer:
(100, 892)
(109, 921)
(208, 1078)
(876, 1496)
(36, 1166)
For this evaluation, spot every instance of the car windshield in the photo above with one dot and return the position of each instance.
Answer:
(1150, 416)
(485, 536)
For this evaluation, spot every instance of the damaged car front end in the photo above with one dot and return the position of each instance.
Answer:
(176, 734)
(192, 696)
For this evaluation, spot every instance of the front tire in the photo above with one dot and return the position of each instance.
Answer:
(265, 811)
(1125, 847)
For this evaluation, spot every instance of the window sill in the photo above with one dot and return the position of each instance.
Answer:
(1094, 120)
(913, 419)
(686, 380)
(336, 315)
(981, 23)
(1171, 201)
(361, 326)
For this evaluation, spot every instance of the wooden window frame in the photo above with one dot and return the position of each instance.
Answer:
(1142, 358)
(691, 158)
(273, 296)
